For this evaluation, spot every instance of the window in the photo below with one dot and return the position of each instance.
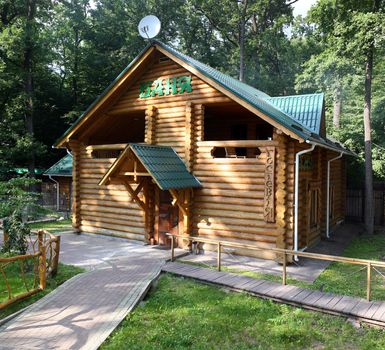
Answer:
(314, 203)
(231, 152)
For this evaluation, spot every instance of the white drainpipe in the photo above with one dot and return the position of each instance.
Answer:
(328, 195)
(296, 189)
(57, 192)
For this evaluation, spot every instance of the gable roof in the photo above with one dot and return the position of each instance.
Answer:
(163, 164)
(306, 109)
(250, 97)
(61, 168)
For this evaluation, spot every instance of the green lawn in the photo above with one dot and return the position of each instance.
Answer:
(183, 314)
(53, 226)
(65, 272)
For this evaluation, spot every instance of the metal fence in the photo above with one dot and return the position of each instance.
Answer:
(355, 206)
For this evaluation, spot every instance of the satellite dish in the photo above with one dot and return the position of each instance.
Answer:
(149, 27)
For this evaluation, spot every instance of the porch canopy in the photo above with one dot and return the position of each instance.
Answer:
(144, 166)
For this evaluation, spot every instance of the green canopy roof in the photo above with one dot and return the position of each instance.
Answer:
(62, 168)
(306, 109)
(165, 166)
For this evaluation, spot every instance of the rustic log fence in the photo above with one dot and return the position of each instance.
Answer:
(43, 256)
(370, 265)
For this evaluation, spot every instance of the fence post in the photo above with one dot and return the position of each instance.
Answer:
(42, 260)
(172, 249)
(55, 262)
(369, 278)
(284, 269)
(219, 257)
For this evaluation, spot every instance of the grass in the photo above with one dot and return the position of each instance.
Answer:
(65, 272)
(183, 314)
(53, 226)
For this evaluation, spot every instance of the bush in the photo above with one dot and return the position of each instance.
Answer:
(17, 233)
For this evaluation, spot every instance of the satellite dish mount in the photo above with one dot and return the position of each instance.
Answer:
(149, 27)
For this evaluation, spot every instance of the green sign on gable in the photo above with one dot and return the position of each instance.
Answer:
(164, 87)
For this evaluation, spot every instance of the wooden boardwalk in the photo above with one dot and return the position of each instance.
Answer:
(370, 312)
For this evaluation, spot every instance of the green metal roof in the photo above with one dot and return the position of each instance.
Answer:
(24, 171)
(62, 168)
(165, 166)
(306, 109)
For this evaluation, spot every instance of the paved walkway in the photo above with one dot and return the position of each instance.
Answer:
(370, 312)
(81, 313)
(304, 270)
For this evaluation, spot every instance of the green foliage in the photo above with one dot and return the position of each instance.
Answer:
(15, 197)
(17, 233)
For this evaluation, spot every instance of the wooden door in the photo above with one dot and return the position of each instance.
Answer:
(167, 220)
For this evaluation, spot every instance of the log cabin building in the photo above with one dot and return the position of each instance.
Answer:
(173, 145)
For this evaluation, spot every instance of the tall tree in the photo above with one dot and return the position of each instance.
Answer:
(356, 38)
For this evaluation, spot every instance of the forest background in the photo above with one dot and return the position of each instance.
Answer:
(57, 56)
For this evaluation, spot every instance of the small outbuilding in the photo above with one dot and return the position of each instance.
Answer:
(173, 145)
(57, 192)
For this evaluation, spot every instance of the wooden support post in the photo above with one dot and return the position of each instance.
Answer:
(284, 269)
(369, 281)
(55, 262)
(76, 161)
(42, 260)
(172, 248)
(219, 257)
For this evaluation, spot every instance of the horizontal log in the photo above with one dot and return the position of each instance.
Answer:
(224, 207)
(105, 225)
(108, 203)
(99, 219)
(112, 233)
(218, 234)
(238, 167)
(267, 231)
(112, 147)
(235, 175)
(118, 211)
(200, 212)
(234, 186)
(236, 143)
(124, 217)
(239, 180)
(208, 222)
(224, 193)
(251, 205)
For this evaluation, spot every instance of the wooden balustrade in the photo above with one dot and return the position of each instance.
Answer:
(286, 253)
(47, 254)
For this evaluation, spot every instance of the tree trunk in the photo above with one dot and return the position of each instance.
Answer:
(28, 83)
(242, 33)
(337, 104)
(369, 210)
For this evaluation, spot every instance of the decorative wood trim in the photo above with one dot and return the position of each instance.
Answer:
(178, 200)
(189, 136)
(134, 195)
(269, 200)
(281, 192)
(151, 113)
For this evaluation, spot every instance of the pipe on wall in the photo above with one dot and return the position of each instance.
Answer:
(57, 192)
(296, 190)
(328, 194)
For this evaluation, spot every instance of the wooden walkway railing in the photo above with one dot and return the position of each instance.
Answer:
(285, 253)
(45, 259)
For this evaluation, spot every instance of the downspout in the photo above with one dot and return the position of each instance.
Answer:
(57, 192)
(328, 195)
(296, 190)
